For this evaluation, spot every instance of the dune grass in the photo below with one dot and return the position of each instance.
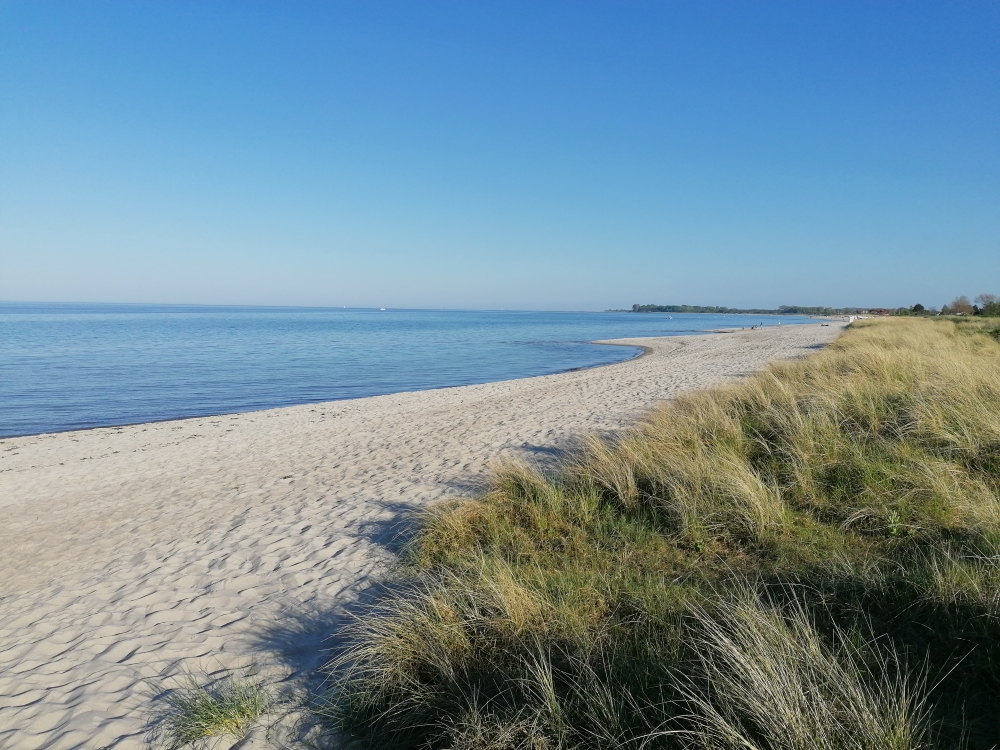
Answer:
(199, 715)
(807, 559)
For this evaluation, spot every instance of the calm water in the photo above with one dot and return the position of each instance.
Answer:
(65, 367)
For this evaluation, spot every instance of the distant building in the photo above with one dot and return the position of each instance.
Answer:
(875, 311)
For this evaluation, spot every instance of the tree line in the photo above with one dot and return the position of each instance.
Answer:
(987, 305)
(782, 310)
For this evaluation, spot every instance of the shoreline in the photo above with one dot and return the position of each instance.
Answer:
(644, 350)
(132, 552)
(602, 342)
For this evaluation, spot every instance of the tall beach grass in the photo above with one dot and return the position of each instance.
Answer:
(809, 558)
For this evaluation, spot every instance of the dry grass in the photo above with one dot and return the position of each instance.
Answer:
(767, 679)
(608, 606)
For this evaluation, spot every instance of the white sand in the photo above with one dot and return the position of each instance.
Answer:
(209, 543)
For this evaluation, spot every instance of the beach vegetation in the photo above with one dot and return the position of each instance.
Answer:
(199, 713)
(808, 558)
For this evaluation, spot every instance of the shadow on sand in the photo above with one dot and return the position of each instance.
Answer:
(304, 638)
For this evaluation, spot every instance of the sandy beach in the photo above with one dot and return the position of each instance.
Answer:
(211, 543)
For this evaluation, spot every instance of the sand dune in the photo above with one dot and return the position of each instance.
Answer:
(132, 552)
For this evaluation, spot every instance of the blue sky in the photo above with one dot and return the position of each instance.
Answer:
(519, 155)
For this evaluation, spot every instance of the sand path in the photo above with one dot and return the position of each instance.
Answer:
(207, 543)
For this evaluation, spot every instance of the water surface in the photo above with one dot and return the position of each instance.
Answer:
(65, 367)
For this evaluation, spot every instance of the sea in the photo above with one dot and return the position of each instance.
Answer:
(75, 366)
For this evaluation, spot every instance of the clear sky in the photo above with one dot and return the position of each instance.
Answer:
(573, 155)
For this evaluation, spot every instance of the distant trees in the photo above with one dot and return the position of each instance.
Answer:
(959, 306)
(692, 309)
(782, 310)
(989, 305)
(986, 304)
(917, 309)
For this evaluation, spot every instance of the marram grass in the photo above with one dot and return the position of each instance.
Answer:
(199, 716)
(807, 559)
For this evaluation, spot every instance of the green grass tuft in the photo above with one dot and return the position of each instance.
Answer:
(195, 716)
